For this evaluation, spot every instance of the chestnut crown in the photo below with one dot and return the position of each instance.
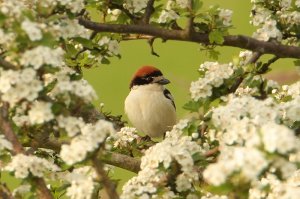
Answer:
(148, 75)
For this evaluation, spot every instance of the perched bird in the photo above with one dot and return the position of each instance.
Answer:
(150, 106)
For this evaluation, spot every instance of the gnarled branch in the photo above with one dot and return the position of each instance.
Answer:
(240, 41)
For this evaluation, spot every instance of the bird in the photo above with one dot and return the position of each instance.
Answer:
(149, 105)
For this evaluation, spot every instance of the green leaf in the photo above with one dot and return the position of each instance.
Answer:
(197, 4)
(192, 106)
(297, 62)
(71, 50)
(216, 37)
(213, 54)
(85, 42)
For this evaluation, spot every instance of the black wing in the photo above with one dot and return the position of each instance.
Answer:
(168, 95)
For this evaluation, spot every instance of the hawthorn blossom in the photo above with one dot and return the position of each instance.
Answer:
(4, 144)
(250, 162)
(125, 136)
(279, 138)
(157, 162)
(167, 15)
(91, 135)
(72, 125)
(214, 76)
(32, 29)
(82, 182)
(41, 55)
(40, 112)
(135, 6)
(16, 85)
(22, 165)
(74, 5)
(225, 16)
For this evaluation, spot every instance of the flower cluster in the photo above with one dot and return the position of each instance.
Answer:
(82, 182)
(4, 144)
(89, 139)
(277, 188)
(125, 136)
(23, 165)
(42, 55)
(135, 6)
(277, 20)
(16, 85)
(213, 76)
(174, 156)
(250, 130)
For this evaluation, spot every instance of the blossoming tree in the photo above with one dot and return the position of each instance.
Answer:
(243, 141)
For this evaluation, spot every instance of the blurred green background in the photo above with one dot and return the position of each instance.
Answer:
(178, 61)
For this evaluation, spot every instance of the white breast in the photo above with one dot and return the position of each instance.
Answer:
(149, 110)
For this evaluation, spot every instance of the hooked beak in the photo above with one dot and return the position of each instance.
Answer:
(163, 81)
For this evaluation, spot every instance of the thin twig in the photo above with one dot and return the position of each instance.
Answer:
(240, 41)
(109, 186)
(112, 5)
(211, 152)
(264, 68)
(5, 192)
(190, 23)
(148, 12)
(253, 59)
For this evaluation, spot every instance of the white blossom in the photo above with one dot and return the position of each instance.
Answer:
(167, 15)
(4, 144)
(173, 148)
(16, 85)
(113, 47)
(225, 16)
(279, 138)
(22, 165)
(32, 29)
(182, 3)
(74, 5)
(82, 182)
(22, 189)
(125, 136)
(64, 85)
(41, 55)
(12, 8)
(40, 112)
(91, 136)
(248, 161)
(72, 125)
(135, 6)
(214, 76)
(69, 28)
(268, 30)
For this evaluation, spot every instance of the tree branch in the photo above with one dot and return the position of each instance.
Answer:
(190, 23)
(239, 41)
(7, 130)
(122, 161)
(108, 185)
(148, 12)
(5, 193)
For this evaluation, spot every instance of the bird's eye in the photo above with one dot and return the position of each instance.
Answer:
(149, 79)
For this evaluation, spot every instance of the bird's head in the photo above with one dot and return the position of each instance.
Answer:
(148, 75)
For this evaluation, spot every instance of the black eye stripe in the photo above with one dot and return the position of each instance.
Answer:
(145, 79)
